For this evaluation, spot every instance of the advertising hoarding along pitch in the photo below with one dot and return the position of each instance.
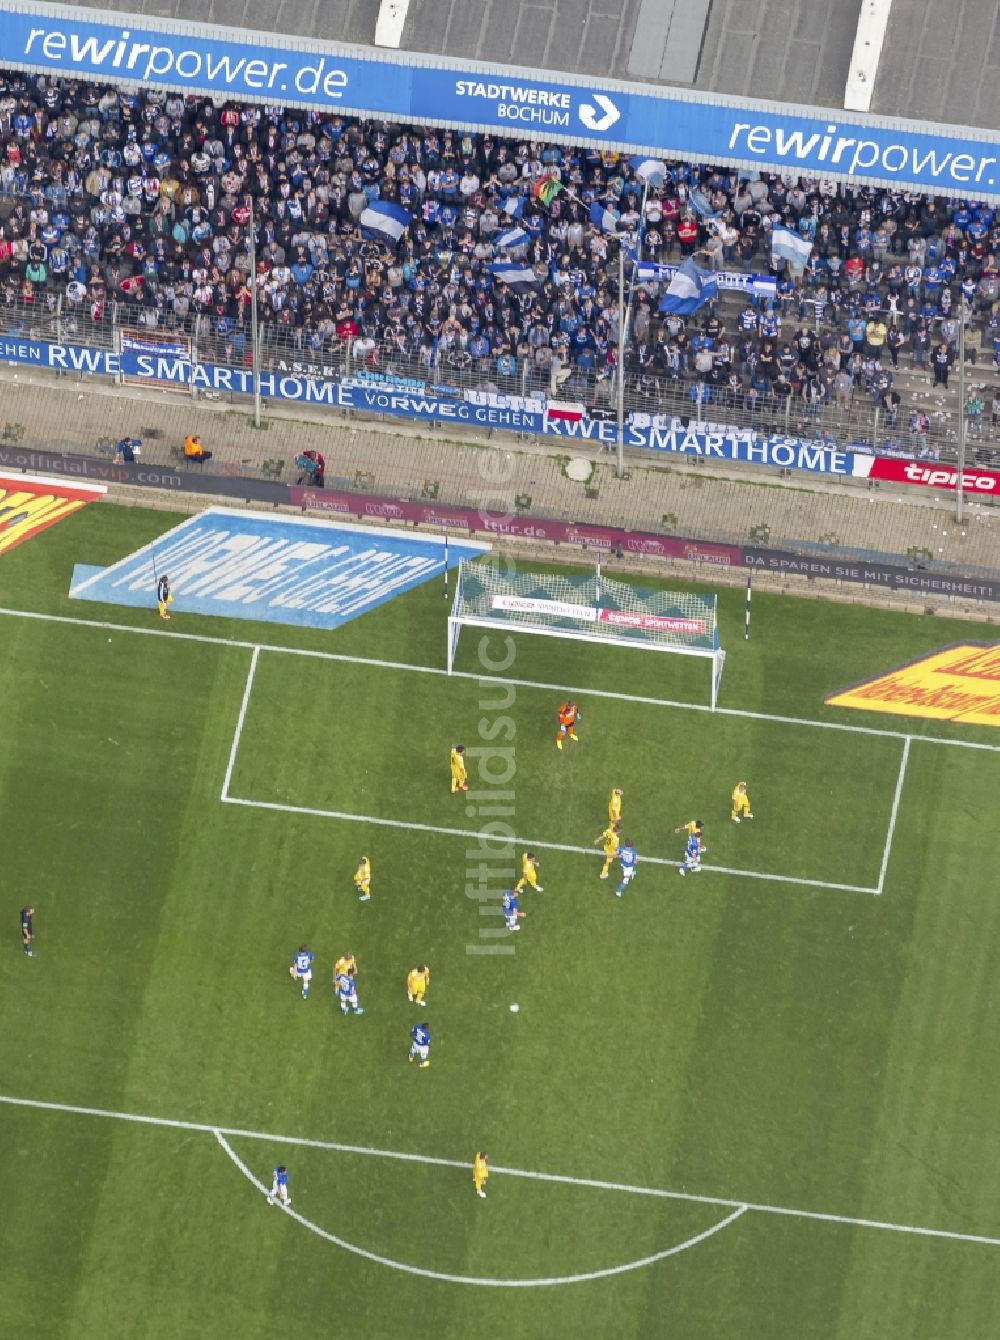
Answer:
(699, 440)
(934, 475)
(201, 58)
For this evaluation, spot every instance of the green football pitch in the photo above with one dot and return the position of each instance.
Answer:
(756, 1102)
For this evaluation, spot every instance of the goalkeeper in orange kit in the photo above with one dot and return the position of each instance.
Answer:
(569, 715)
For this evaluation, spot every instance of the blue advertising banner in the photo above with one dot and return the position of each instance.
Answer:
(949, 160)
(719, 442)
(291, 570)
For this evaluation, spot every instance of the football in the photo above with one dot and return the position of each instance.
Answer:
(514, 1008)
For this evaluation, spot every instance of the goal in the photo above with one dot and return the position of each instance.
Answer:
(586, 609)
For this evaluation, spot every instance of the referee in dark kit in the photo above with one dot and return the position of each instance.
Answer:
(27, 929)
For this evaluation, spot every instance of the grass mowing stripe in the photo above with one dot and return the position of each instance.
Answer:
(596, 1184)
(610, 694)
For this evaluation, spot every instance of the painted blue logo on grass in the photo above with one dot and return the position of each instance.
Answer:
(294, 570)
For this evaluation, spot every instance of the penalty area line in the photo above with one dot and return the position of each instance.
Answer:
(234, 748)
(214, 1129)
(528, 844)
(893, 815)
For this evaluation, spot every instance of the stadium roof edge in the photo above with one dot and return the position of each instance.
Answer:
(427, 60)
(666, 112)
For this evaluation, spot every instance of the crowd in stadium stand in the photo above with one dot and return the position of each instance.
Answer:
(108, 195)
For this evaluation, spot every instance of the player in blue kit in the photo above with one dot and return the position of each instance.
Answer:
(511, 909)
(420, 1046)
(279, 1186)
(692, 855)
(347, 992)
(301, 969)
(628, 860)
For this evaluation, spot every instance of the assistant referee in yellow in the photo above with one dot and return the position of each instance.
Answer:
(163, 595)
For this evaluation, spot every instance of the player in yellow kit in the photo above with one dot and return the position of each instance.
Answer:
(417, 982)
(363, 879)
(609, 841)
(693, 826)
(459, 775)
(615, 806)
(345, 966)
(529, 873)
(741, 803)
(480, 1172)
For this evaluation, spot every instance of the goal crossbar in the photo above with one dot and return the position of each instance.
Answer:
(586, 609)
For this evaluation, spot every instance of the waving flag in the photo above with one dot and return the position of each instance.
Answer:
(513, 238)
(513, 206)
(649, 170)
(520, 278)
(700, 204)
(690, 288)
(546, 189)
(603, 218)
(789, 246)
(383, 217)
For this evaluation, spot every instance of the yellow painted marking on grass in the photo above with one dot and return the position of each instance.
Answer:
(960, 683)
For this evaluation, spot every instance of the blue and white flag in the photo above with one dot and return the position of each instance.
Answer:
(520, 278)
(383, 217)
(649, 170)
(513, 238)
(603, 218)
(789, 246)
(513, 206)
(690, 288)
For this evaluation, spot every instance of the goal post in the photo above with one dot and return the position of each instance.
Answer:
(592, 609)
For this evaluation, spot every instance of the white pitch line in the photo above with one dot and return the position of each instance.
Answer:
(247, 689)
(528, 844)
(487, 1281)
(609, 694)
(297, 1141)
(892, 817)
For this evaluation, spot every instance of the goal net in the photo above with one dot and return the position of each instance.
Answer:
(586, 609)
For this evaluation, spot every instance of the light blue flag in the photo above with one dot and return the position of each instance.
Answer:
(789, 246)
(690, 288)
(387, 219)
(699, 203)
(650, 170)
(603, 218)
